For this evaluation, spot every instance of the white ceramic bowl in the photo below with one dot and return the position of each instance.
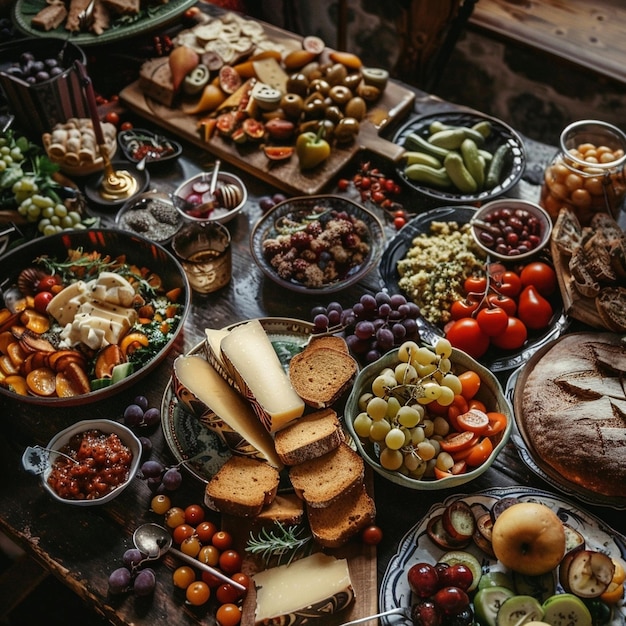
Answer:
(127, 437)
(490, 393)
(201, 212)
(513, 206)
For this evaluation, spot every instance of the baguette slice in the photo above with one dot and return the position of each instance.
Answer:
(328, 478)
(611, 307)
(320, 375)
(308, 437)
(334, 526)
(242, 487)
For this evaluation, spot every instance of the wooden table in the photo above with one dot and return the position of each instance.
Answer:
(81, 546)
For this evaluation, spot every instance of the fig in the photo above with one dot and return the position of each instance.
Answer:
(458, 520)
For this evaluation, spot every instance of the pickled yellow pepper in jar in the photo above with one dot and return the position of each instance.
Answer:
(588, 173)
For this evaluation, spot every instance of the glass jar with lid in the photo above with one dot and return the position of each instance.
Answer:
(588, 173)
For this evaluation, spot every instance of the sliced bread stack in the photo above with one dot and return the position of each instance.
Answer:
(323, 371)
(328, 475)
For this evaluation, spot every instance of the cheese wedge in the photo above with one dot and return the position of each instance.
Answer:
(251, 360)
(318, 584)
(208, 396)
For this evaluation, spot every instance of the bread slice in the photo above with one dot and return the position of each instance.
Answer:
(242, 487)
(50, 17)
(320, 375)
(611, 307)
(286, 508)
(328, 478)
(309, 437)
(333, 526)
(328, 341)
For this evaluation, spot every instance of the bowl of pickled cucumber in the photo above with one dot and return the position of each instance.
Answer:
(460, 157)
(428, 417)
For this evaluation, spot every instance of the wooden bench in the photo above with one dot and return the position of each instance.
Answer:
(591, 35)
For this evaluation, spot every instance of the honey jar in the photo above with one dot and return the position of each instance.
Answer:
(588, 172)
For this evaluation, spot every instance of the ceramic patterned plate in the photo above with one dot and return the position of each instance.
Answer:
(201, 449)
(416, 546)
(149, 19)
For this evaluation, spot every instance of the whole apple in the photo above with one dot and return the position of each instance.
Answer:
(529, 538)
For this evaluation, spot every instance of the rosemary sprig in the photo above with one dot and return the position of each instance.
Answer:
(282, 542)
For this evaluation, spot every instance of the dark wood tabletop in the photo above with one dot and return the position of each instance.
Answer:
(81, 546)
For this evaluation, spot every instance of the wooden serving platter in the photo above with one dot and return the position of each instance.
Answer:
(394, 104)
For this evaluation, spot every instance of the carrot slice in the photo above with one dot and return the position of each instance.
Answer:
(17, 384)
(42, 381)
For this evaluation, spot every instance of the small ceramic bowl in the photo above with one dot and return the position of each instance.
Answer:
(137, 143)
(152, 215)
(510, 229)
(193, 201)
(490, 393)
(62, 438)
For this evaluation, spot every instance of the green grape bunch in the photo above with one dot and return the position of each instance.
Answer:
(27, 185)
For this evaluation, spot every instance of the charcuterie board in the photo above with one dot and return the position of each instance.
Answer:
(394, 104)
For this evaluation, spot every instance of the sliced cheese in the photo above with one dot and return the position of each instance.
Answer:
(270, 72)
(214, 338)
(112, 288)
(249, 356)
(241, 430)
(65, 304)
(318, 584)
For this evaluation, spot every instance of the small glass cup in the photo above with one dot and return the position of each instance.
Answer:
(204, 251)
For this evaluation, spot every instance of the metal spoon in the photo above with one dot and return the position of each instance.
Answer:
(214, 175)
(403, 611)
(154, 541)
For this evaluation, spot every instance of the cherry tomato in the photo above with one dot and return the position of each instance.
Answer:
(242, 579)
(497, 423)
(474, 421)
(126, 126)
(222, 540)
(465, 334)
(183, 576)
(508, 283)
(230, 561)
(191, 13)
(457, 442)
(198, 593)
(211, 580)
(182, 532)
(470, 384)
(112, 118)
(492, 320)
(209, 555)
(475, 284)
(194, 514)
(205, 531)
(228, 615)
(47, 283)
(41, 301)
(479, 453)
(504, 302)
(372, 535)
(533, 309)
(541, 276)
(463, 308)
(343, 184)
(513, 337)
(226, 594)
(477, 404)
(399, 222)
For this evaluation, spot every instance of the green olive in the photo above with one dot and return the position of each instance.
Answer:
(376, 76)
(352, 81)
(333, 113)
(346, 130)
(369, 93)
(314, 109)
(292, 104)
(340, 94)
(336, 74)
(298, 83)
(356, 108)
(312, 70)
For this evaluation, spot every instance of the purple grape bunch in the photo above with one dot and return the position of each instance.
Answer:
(132, 576)
(160, 479)
(372, 326)
(140, 414)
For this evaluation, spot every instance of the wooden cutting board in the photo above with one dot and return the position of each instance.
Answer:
(395, 104)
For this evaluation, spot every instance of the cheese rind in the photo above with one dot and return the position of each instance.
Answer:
(251, 360)
(221, 409)
(315, 586)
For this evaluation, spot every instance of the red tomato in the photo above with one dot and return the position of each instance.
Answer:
(474, 421)
(181, 532)
(222, 540)
(227, 594)
(465, 334)
(492, 320)
(477, 404)
(41, 301)
(470, 384)
(399, 222)
(49, 282)
(230, 561)
(479, 453)
(112, 118)
(372, 535)
(457, 442)
(497, 423)
(513, 337)
(541, 276)
(475, 284)
(463, 308)
(504, 302)
(507, 283)
(242, 579)
(205, 531)
(533, 309)
(126, 126)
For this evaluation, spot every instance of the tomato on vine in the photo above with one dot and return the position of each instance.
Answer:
(508, 283)
(492, 320)
(513, 337)
(533, 309)
(541, 276)
(465, 334)
(463, 308)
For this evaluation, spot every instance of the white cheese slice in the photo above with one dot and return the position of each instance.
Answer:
(270, 72)
(249, 356)
(318, 584)
(214, 338)
(112, 288)
(65, 304)
(241, 430)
